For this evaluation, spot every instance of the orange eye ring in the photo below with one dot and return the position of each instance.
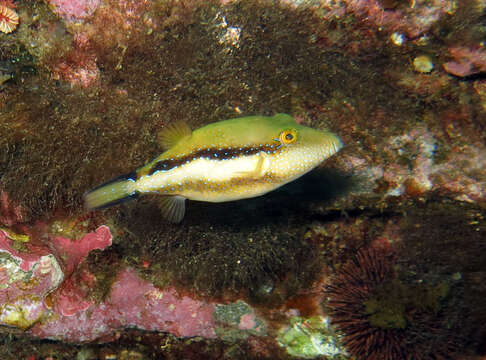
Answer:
(288, 136)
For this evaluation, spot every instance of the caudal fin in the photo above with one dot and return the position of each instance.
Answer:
(111, 193)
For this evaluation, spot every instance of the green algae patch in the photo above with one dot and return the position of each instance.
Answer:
(312, 337)
(393, 302)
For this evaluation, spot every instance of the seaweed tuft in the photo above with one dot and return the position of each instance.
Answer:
(221, 257)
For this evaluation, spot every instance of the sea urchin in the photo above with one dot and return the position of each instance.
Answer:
(382, 317)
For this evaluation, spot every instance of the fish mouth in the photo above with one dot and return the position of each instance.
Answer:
(337, 145)
(331, 144)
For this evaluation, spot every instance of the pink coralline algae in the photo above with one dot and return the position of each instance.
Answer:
(467, 186)
(133, 303)
(467, 61)
(415, 172)
(109, 25)
(79, 68)
(126, 19)
(45, 289)
(25, 281)
(28, 275)
(74, 251)
(74, 10)
(70, 297)
(413, 19)
(10, 213)
(247, 322)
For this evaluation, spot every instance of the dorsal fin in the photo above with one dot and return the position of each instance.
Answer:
(173, 133)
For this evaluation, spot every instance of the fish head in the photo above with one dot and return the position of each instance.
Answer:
(280, 147)
(299, 148)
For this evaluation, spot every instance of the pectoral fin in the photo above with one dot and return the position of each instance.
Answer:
(257, 171)
(173, 208)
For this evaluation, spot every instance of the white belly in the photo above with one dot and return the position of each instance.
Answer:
(212, 180)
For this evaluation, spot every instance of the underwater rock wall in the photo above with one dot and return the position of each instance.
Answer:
(48, 293)
(86, 88)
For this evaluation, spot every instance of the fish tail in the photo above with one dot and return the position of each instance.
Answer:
(112, 193)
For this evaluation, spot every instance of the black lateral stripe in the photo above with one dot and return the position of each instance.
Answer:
(211, 153)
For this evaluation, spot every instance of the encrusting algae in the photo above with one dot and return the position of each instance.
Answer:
(224, 161)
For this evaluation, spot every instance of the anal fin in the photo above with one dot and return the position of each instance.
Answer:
(173, 208)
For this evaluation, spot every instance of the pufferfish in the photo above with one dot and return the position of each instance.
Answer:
(223, 161)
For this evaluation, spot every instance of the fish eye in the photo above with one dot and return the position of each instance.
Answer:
(288, 136)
